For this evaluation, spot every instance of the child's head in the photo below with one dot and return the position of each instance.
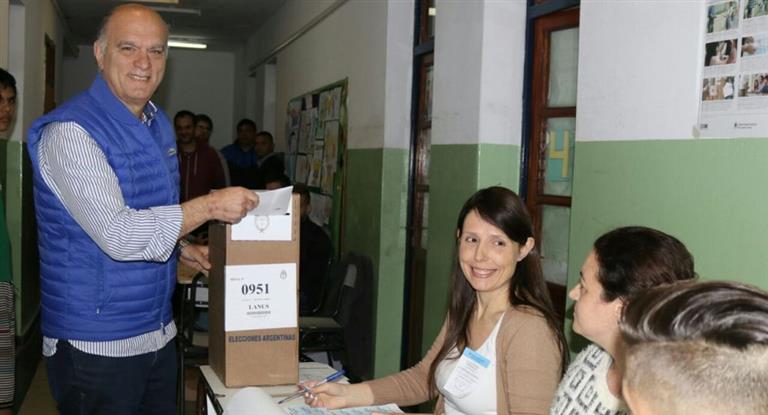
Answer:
(697, 348)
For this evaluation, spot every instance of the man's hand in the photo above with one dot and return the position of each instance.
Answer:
(195, 256)
(231, 204)
(228, 205)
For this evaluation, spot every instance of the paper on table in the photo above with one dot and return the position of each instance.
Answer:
(256, 401)
(251, 401)
(363, 410)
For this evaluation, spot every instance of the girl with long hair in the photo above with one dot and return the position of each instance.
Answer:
(501, 349)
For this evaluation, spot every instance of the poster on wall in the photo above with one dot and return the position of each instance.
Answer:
(734, 83)
(316, 166)
(316, 130)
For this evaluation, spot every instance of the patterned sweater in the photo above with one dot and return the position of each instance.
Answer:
(584, 390)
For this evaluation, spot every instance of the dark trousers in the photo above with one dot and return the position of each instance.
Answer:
(83, 383)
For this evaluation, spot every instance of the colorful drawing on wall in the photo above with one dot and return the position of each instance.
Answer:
(560, 146)
(325, 106)
(319, 129)
(316, 166)
(313, 123)
(293, 141)
(315, 134)
(331, 151)
(305, 127)
(294, 112)
(322, 206)
(302, 169)
(335, 103)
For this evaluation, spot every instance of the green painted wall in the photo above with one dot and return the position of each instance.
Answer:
(457, 171)
(708, 193)
(22, 231)
(374, 224)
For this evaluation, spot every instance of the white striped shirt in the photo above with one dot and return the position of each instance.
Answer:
(76, 170)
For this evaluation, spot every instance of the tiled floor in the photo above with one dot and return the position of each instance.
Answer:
(40, 402)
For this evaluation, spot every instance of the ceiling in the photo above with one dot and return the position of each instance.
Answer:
(222, 24)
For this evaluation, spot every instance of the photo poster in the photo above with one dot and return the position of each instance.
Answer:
(316, 128)
(734, 83)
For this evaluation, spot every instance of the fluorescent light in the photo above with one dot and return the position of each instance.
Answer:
(167, 9)
(188, 45)
(432, 11)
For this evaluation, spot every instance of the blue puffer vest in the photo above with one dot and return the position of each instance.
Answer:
(85, 294)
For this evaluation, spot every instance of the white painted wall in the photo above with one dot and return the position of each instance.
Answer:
(502, 72)
(639, 69)
(202, 82)
(456, 77)
(479, 68)
(78, 73)
(367, 42)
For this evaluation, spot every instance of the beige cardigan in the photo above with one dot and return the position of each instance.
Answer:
(527, 369)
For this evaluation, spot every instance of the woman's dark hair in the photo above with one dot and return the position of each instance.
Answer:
(505, 210)
(635, 258)
(724, 313)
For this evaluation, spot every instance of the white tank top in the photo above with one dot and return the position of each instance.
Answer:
(481, 400)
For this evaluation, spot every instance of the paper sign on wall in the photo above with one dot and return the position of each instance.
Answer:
(260, 297)
(270, 221)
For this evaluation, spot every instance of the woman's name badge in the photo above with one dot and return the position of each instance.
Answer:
(465, 375)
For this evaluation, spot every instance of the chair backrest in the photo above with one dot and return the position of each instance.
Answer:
(337, 274)
(356, 316)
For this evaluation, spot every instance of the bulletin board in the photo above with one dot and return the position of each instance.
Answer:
(316, 132)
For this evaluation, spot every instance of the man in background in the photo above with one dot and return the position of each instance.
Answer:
(106, 187)
(7, 307)
(199, 166)
(315, 252)
(240, 156)
(203, 131)
(697, 348)
(268, 163)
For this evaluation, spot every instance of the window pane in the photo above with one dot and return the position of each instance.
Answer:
(555, 228)
(428, 93)
(422, 156)
(558, 154)
(563, 68)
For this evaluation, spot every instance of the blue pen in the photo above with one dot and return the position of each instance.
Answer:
(304, 389)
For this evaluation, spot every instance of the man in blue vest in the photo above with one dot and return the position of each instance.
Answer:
(106, 187)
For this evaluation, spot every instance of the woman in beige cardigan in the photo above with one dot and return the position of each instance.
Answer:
(499, 307)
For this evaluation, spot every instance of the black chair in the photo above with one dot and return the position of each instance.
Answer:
(344, 323)
(318, 331)
(192, 341)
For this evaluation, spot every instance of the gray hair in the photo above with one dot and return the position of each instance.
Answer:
(101, 34)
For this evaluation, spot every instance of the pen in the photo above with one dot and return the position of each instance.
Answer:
(304, 389)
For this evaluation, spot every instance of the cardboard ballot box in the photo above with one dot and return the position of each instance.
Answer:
(253, 286)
